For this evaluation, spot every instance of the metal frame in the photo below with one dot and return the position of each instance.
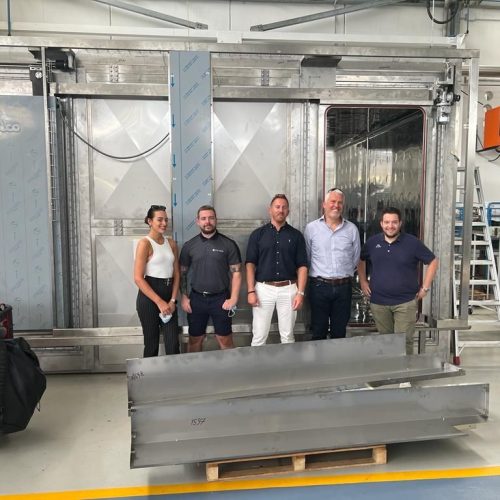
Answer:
(364, 89)
(280, 47)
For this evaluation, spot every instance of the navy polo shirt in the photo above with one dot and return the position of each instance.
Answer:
(276, 254)
(394, 267)
(208, 260)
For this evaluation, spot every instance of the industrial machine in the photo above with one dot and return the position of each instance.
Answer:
(95, 131)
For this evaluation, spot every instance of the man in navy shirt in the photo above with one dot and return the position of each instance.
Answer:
(394, 289)
(276, 265)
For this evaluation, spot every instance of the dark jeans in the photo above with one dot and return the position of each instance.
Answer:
(330, 309)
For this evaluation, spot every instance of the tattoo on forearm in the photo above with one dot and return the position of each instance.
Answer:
(184, 281)
(235, 268)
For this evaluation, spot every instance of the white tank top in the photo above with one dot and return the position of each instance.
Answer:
(161, 263)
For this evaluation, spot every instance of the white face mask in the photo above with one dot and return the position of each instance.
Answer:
(165, 318)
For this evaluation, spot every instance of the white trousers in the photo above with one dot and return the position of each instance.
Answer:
(270, 297)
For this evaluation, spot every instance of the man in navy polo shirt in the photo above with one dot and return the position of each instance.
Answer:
(215, 264)
(394, 289)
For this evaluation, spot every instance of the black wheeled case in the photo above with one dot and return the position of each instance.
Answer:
(22, 384)
(6, 323)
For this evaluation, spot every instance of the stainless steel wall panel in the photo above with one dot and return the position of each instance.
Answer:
(80, 221)
(113, 356)
(259, 150)
(26, 267)
(251, 160)
(116, 290)
(112, 199)
(66, 359)
(125, 189)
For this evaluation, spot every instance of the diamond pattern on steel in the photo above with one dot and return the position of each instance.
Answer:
(124, 128)
(250, 152)
(114, 262)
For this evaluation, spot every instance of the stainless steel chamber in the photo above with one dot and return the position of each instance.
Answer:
(378, 121)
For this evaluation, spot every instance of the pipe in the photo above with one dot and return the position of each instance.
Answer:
(323, 15)
(9, 21)
(152, 13)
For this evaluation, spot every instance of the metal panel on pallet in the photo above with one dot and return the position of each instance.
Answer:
(264, 425)
(377, 359)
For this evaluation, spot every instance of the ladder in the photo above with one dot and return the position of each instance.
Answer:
(484, 285)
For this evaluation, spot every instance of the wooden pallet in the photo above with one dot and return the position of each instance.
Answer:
(295, 462)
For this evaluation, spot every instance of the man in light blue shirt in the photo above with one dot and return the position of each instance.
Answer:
(333, 249)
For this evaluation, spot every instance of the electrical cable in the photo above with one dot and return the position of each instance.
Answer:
(463, 92)
(480, 143)
(495, 159)
(114, 157)
(445, 21)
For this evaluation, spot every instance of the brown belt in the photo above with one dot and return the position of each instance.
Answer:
(333, 281)
(280, 283)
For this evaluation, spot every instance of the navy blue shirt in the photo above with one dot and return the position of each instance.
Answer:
(276, 254)
(393, 267)
(208, 260)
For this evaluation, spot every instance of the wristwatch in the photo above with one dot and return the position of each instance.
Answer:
(300, 293)
(174, 301)
(425, 289)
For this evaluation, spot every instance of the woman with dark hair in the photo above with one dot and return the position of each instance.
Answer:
(156, 273)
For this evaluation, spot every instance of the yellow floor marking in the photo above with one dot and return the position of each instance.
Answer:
(254, 484)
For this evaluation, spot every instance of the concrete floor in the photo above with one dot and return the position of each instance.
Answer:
(80, 441)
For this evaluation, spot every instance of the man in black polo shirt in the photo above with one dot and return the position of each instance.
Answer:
(215, 263)
(276, 265)
(393, 289)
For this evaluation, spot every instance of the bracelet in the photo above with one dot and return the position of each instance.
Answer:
(300, 293)
(425, 289)
(251, 291)
(174, 301)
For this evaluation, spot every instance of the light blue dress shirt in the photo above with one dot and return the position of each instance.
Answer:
(332, 254)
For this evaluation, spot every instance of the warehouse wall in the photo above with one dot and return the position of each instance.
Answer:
(38, 16)
(229, 19)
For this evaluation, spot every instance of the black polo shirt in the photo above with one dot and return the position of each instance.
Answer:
(276, 254)
(208, 260)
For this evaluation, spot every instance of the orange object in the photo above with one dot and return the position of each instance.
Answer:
(492, 128)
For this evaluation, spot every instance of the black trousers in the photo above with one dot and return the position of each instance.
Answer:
(152, 324)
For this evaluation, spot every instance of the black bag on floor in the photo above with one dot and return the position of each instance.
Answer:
(22, 384)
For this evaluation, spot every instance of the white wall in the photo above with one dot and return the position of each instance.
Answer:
(35, 17)
(58, 16)
(31, 16)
